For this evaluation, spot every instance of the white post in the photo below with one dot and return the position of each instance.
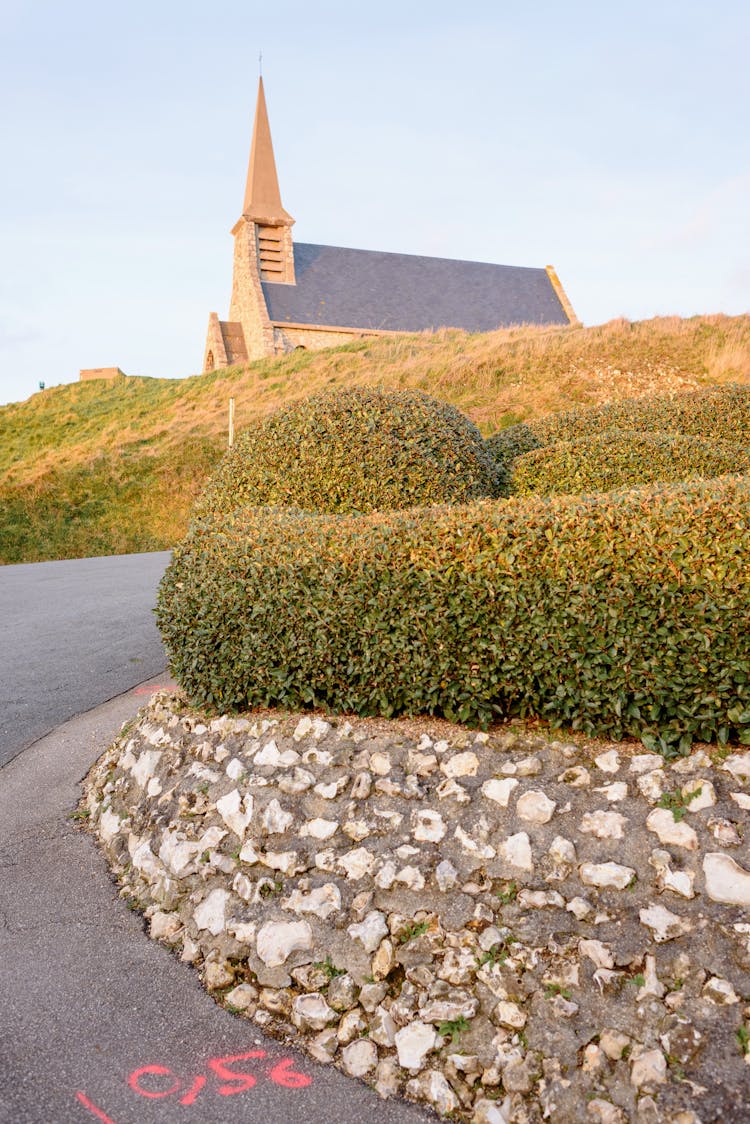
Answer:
(231, 422)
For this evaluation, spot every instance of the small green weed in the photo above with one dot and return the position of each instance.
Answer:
(743, 1037)
(452, 1028)
(508, 894)
(414, 931)
(556, 989)
(329, 968)
(677, 802)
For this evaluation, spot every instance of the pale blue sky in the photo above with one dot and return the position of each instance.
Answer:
(609, 140)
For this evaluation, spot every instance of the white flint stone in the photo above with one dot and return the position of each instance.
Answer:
(243, 887)
(145, 767)
(210, 913)
(665, 925)
(242, 931)
(382, 1027)
(411, 877)
(331, 790)
(357, 830)
(720, 991)
(606, 875)
(604, 825)
(535, 806)
(579, 907)
(471, 846)
(413, 1043)
(235, 769)
(726, 880)
(248, 853)
(275, 819)
(359, 1058)
(319, 828)
(669, 831)
(577, 776)
(516, 850)
(371, 931)
(153, 788)
(236, 812)
(528, 767)
(645, 762)
(509, 1014)
(461, 765)
(499, 790)
(212, 837)
(303, 728)
(277, 940)
(461, 1005)
(614, 792)
(356, 863)
(678, 881)
(242, 997)
(724, 831)
(433, 1087)
(285, 861)
(380, 764)
(109, 825)
(540, 899)
(652, 784)
(311, 1012)
(742, 799)
(178, 854)
(705, 795)
(163, 926)
(562, 851)
(446, 875)
(322, 901)
(450, 789)
(144, 860)
(739, 766)
(386, 876)
(599, 954)
(648, 1068)
(651, 983)
(608, 762)
(428, 826)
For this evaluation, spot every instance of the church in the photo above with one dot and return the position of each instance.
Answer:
(288, 295)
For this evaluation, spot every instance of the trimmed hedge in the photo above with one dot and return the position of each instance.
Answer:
(720, 412)
(511, 443)
(620, 459)
(360, 449)
(616, 615)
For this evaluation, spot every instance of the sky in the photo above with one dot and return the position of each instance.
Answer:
(610, 141)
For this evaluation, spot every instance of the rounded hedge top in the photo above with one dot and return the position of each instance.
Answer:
(361, 450)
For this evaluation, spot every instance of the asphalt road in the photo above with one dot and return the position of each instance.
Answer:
(97, 1022)
(72, 635)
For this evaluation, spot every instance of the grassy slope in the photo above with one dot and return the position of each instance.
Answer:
(100, 467)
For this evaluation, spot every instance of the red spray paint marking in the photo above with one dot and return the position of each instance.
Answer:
(157, 1081)
(97, 1112)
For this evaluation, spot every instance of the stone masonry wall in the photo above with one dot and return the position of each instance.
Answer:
(506, 928)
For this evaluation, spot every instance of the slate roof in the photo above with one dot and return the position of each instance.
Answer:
(405, 293)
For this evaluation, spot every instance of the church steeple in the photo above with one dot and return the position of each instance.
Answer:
(262, 195)
(264, 223)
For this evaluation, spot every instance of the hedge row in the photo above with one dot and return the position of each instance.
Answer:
(718, 412)
(620, 459)
(359, 449)
(615, 615)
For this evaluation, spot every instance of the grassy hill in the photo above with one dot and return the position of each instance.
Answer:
(112, 467)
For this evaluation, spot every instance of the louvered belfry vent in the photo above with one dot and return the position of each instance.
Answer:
(270, 253)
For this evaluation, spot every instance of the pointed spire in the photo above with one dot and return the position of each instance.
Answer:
(262, 196)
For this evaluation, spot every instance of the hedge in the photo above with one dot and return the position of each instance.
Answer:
(717, 412)
(720, 412)
(621, 459)
(615, 615)
(360, 449)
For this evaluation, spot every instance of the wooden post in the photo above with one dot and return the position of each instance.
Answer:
(231, 422)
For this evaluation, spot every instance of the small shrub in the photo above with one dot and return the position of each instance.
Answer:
(511, 443)
(623, 459)
(614, 614)
(355, 450)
